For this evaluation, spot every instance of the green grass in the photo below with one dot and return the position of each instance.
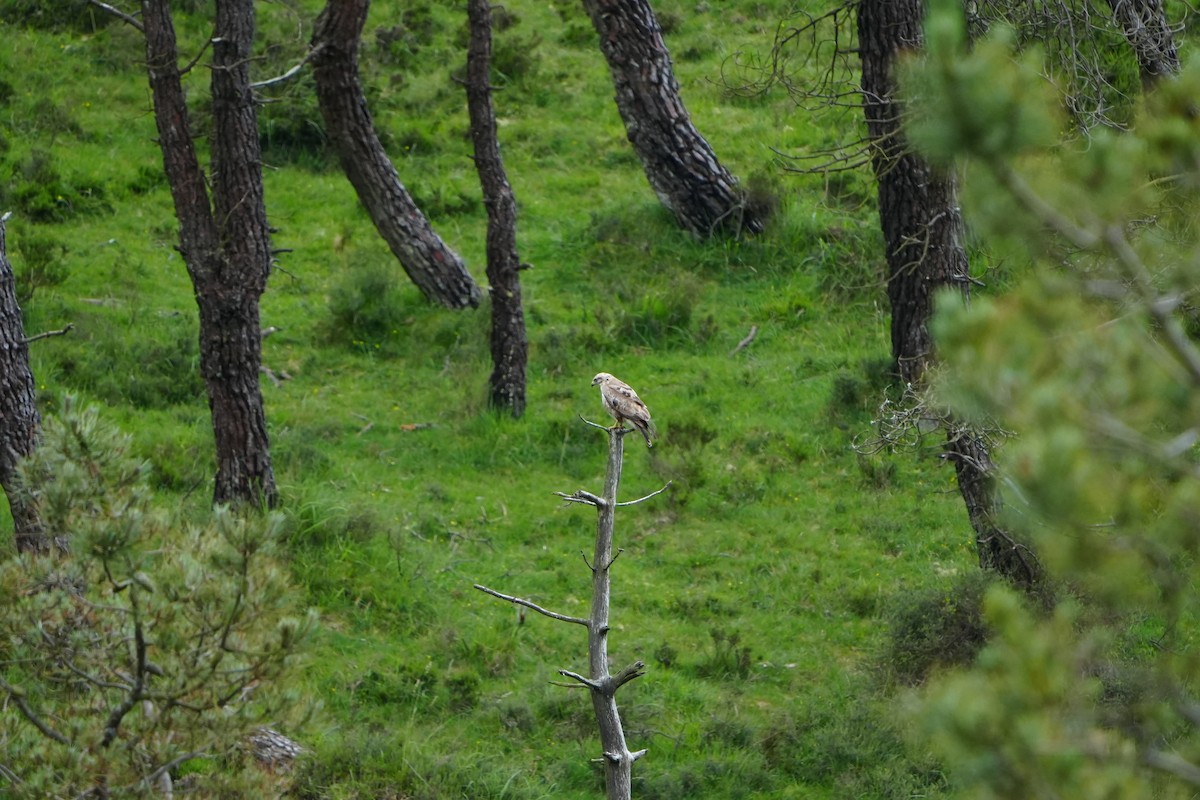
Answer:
(757, 589)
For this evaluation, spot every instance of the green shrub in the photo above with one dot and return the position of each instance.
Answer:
(54, 15)
(157, 365)
(169, 640)
(401, 44)
(38, 264)
(365, 306)
(291, 130)
(934, 629)
(729, 657)
(40, 193)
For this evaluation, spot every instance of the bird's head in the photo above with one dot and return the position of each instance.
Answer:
(601, 377)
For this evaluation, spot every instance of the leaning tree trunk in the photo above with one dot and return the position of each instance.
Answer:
(510, 345)
(923, 235)
(435, 269)
(1144, 23)
(20, 423)
(226, 246)
(682, 168)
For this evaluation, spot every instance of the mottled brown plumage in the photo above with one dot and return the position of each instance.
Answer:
(622, 402)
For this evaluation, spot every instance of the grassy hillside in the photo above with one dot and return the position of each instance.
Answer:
(758, 588)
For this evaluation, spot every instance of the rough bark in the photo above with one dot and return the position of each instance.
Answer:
(918, 208)
(20, 423)
(509, 343)
(1145, 25)
(225, 243)
(435, 269)
(997, 549)
(923, 236)
(680, 164)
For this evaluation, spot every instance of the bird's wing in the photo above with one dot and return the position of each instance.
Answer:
(631, 406)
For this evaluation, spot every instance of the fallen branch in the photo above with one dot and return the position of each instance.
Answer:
(744, 343)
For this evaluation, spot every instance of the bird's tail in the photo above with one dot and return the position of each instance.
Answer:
(648, 433)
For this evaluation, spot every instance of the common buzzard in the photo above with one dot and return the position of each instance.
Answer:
(622, 402)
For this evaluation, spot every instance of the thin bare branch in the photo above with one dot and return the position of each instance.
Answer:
(593, 424)
(1178, 342)
(1174, 764)
(9, 775)
(70, 326)
(591, 684)
(287, 76)
(1079, 236)
(647, 497)
(582, 496)
(128, 19)
(635, 670)
(29, 714)
(167, 767)
(529, 604)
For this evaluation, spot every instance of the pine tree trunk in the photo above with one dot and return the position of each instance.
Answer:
(1145, 25)
(923, 237)
(226, 246)
(20, 423)
(918, 209)
(680, 164)
(435, 269)
(510, 345)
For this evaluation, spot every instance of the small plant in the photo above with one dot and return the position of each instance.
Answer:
(40, 258)
(365, 306)
(155, 645)
(729, 658)
(39, 192)
(666, 655)
(935, 629)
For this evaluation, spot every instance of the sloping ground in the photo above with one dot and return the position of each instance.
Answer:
(756, 588)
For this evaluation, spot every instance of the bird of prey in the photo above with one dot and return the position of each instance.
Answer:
(622, 402)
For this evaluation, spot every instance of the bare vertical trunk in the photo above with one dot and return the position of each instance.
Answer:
(435, 269)
(603, 686)
(680, 164)
(510, 345)
(20, 423)
(618, 761)
(923, 235)
(1148, 32)
(225, 245)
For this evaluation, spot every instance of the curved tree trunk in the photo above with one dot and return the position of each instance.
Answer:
(923, 234)
(510, 345)
(1145, 25)
(20, 423)
(435, 269)
(680, 164)
(226, 246)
